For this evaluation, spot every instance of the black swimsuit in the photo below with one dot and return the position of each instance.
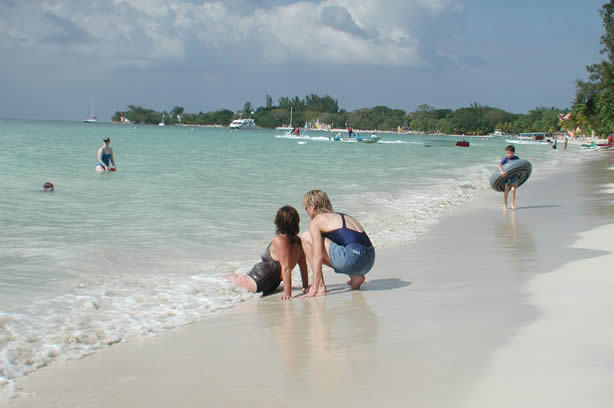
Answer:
(266, 273)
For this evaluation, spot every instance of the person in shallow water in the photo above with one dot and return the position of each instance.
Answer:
(337, 240)
(48, 187)
(279, 258)
(105, 156)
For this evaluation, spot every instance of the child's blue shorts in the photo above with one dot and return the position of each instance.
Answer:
(512, 181)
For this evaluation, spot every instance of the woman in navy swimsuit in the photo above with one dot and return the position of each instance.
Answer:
(337, 240)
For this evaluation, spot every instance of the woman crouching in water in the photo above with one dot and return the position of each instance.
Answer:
(337, 240)
(279, 258)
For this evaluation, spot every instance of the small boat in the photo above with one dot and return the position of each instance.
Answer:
(371, 139)
(462, 143)
(92, 118)
(528, 141)
(242, 124)
(534, 138)
(356, 139)
(598, 146)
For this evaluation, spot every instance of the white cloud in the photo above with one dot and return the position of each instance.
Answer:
(149, 32)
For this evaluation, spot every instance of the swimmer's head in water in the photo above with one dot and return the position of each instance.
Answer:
(106, 140)
(319, 200)
(48, 186)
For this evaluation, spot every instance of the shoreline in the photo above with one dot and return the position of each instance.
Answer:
(456, 313)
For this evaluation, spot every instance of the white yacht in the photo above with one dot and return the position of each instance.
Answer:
(92, 118)
(242, 124)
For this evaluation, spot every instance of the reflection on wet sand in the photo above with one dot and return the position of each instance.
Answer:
(517, 241)
(318, 339)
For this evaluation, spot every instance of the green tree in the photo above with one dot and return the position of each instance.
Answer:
(247, 108)
(592, 105)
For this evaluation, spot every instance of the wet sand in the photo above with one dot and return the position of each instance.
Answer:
(489, 308)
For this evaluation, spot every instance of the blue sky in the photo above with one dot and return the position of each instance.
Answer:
(58, 55)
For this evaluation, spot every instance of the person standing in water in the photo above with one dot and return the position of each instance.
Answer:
(105, 157)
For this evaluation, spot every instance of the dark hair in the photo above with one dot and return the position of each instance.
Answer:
(510, 148)
(287, 223)
(106, 140)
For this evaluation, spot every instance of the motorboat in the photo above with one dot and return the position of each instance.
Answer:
(242, 124)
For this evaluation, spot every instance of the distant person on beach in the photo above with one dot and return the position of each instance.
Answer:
(334, 239)
(350, 132)
(279, 258)
(105, 156)
(610, 139)
(48, 187)
(566, 140)
(554, 144)
(512, 182)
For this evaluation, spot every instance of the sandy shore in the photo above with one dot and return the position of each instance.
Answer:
(488, 309)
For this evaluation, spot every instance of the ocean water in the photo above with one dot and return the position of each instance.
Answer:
(110, 257)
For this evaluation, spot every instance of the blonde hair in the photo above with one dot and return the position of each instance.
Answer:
(319, 200)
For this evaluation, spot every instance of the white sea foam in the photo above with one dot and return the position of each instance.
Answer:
(98, 315)
(392, 218)
(399, 142)
(303, 137)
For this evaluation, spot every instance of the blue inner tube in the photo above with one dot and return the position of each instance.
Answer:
(520, 168)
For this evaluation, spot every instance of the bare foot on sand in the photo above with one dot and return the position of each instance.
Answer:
(316, 291)
(355, 281)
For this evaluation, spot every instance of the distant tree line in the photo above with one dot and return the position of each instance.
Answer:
(475, 119)
(593, 106)
(140, 115)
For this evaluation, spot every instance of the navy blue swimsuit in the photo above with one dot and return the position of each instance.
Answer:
(106, 158)
(344, 235)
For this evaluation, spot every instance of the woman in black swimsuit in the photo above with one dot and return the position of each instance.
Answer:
(279, 258)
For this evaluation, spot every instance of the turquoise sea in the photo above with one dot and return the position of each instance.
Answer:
(108, 257)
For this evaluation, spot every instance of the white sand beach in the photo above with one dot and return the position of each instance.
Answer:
(488, 309)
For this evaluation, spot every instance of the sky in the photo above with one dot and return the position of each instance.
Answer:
(60, 57)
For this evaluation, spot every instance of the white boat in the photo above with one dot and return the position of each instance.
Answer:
(497, 133)
(92, 118)
(356, 139)
(242, 124)
(527, 141)
(162, 124)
